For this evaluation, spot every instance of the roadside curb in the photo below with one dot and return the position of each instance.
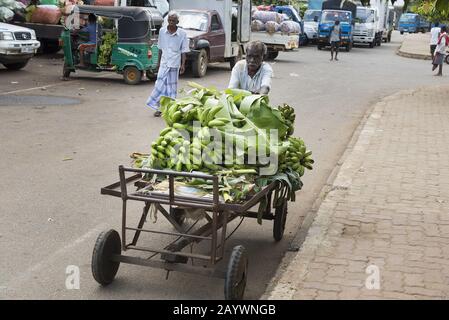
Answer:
(413, 55)
(301, 234)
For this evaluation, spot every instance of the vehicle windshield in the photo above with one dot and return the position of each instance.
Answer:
(407, 18)
(364, 15)
(309, 15)
(331, 16)
(193, 20)
(162, 6)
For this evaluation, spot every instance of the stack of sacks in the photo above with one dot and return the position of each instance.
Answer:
(46, 14)
(266, 16)
(290, 27)
(257, 25)
(272, 26)
(110, 3)
(11, 10)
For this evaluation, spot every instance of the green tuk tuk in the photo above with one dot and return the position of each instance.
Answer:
(128, 47)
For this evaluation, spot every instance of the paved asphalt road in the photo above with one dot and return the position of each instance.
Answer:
(59, 148)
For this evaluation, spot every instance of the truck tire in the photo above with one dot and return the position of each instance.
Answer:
(389, 37)
(372, 44)
(15, 66)
(446, 59)
(50, 46)
(319, 47)
(271, 55)
(199, 65)
(402, 32)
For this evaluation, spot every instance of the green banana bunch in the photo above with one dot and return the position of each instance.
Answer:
(289, 116)
(296, 157)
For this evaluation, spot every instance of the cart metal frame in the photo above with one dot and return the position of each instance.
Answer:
(107, 252)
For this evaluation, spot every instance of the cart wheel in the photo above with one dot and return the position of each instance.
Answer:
(179, 215)
(132, 75)
(103, 269)
(235, 281)
(280, 216)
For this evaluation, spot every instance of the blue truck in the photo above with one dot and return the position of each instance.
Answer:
(413, 23)
(333, 10)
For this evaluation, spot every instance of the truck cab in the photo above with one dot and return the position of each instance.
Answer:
(311, 18)
(327, 21)
(17, 46)
(409, 22)
(365, 27)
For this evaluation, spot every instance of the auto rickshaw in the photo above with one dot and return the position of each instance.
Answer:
(128, 47)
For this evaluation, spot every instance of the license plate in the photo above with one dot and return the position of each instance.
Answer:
(27, 50)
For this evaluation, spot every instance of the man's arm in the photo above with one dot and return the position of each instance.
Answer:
(184, 49)
(159, 59)
(267, 75)
(234, 82)
(183, 63)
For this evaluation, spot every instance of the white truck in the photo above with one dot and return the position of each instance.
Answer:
(365, 28)
(17, 46)
(276, 42)
(371, 23)
(389, 25)
(279, 41)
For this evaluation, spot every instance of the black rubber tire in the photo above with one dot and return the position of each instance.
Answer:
(348, 48)
(103, 269)
(446, 59)
(151, 75)
(50, 46)
(389, 38)
(236, 274)
(271, 55)
(319, 47)
(280, 217)
(236, 59)
(132, 75)
(15, 66)
(178, 214)
(372, 44)
(199, 65)
(402, 32)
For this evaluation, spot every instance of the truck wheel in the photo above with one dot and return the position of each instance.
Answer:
(151, 75)
(446, 59)
(372, 44)
(271, 55)
(402, 32)
(132, 75)
(50, 46)
(15, 66)
(320, 47)
(236, 59)
(199, 66)
(389, 38)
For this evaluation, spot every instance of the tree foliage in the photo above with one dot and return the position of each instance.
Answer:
(431, 10)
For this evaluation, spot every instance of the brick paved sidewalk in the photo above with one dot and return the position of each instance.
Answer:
(388, 209)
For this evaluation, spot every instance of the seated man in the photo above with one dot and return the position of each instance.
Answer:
(252, 74)
(94, 31)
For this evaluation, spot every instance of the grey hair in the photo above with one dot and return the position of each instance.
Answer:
(173, 13)
(259, 46)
